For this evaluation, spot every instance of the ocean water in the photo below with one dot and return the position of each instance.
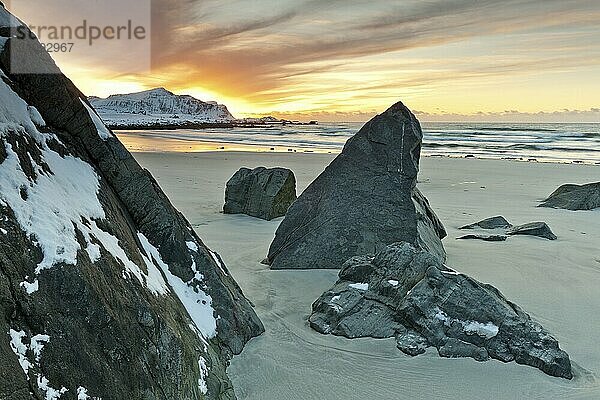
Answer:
(525, 141)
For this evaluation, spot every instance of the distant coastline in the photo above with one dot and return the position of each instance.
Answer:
(203, 125)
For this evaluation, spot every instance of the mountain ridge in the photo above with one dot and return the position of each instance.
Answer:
(158, 106)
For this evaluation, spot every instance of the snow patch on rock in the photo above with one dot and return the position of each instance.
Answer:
(20, 349)
(486, 330)
(82, 393)
(51, 393)
(192, 246)
(203, 374)
(217, 259)
(103, 131)
(197, 303)
(359, 286)
(37, 345)
(30, 287)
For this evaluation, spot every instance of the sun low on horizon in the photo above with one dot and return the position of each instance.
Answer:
(347, 60)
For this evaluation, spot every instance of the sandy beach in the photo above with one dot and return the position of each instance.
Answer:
(555, 281)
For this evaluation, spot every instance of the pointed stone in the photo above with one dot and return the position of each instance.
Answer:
(364, 200)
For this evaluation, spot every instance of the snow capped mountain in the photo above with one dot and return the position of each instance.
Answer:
(158, 107)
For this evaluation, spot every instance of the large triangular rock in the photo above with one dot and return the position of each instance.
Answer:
(364, 200)
(105, 289)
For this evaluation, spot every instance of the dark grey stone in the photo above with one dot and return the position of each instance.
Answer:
(364, 200)
(261, 192)
(108, 334)
(456, 348)
(484, 237)
(539, 229)
(409, 293)
(574, 197)
(489, 223)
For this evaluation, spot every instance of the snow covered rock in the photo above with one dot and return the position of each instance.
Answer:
(409, 294)
(365, 200)
(105, 289)
(156, 108)
(265, 193)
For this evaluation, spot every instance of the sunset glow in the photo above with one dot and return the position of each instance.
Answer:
(346, 60)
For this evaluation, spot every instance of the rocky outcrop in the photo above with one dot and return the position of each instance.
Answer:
(410, 294)
(364, 200)
(574, 197)
(260, 192)
(105, 289)
(497, 229)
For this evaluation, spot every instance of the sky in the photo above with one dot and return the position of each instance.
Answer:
(346, 60)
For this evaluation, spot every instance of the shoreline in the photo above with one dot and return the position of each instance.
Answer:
(241, 150)
(146, 142)
(200, 125)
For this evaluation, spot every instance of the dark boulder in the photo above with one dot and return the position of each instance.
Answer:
(574, 197)
(364, 200)
(489, 223)
(260, 192)
(409, 294)
(539, 229)
(105, 289)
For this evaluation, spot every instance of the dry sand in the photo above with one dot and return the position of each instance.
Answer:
(557, 282)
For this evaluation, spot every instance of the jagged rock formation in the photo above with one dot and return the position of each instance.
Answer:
(105, 289)
(157, 107)
(408, 293)
(364, 200)
(261, 192)
(574, 197)
(497, 229)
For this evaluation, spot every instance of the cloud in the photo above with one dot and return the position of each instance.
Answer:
(591, 115)
(302, 55)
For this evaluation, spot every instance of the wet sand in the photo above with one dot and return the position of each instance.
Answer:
(557, 282)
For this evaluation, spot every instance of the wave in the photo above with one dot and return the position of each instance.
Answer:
(564, 143)
(515, 129)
